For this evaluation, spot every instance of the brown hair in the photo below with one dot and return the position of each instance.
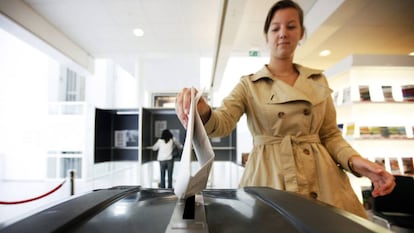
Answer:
(283, 4)
(166, 135)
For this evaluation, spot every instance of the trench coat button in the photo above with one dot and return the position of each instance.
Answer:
(313, 195)
(306, 151)
(281, 114)
(306, 111)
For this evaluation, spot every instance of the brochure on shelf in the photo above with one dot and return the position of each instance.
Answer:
(387, 92)
(364, 93)
(346, 95)
(382, 132)
(408, 165)
(395, 166)
(380, 161)
(350, 129)
(408, 92)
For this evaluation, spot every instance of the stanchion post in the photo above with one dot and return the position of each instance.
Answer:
(72, 182)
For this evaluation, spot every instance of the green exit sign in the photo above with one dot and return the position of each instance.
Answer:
(253, 53)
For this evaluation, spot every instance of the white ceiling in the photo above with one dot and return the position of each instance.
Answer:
(190, 29)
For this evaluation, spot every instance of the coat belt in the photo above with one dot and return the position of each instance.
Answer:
(287, 159)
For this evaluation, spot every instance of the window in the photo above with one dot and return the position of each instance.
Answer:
(164, 100)
(75, 84)
(59, 167)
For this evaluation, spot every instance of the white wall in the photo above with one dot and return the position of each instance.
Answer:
(168, 76)
(26, 17)
(23, 108)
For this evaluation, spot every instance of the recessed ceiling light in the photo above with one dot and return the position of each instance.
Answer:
(138, 32)
(411, 54)
(325, 53)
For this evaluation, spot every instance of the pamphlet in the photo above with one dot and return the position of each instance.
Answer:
(189, 184)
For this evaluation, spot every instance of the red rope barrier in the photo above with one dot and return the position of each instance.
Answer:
(32, 199)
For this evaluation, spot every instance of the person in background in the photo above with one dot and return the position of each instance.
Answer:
(165, 146)
(297, 145)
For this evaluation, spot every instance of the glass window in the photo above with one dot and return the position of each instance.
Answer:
(164, 100)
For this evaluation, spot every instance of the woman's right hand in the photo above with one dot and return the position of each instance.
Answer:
(182, 106)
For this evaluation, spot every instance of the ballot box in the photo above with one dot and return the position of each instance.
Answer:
(127, 209)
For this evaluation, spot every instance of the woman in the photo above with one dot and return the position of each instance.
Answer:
(297, 144)
(165, 146)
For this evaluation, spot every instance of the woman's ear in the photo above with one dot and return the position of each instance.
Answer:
(302, 34)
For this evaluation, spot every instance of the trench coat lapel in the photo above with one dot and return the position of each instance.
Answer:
(311, 83)
(308, 87)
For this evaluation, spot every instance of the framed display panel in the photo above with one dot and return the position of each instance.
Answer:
(116, 135)
(154, 120)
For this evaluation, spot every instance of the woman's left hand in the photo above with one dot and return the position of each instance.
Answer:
(383, 181)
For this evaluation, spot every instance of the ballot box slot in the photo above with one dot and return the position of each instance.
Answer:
(189, 208)
(188, 216)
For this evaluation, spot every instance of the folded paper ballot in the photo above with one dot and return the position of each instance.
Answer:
(189, 184)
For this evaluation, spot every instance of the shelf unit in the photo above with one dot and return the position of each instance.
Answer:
(370, 92)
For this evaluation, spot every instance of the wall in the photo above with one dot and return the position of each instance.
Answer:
(23, 108)
(27, 18)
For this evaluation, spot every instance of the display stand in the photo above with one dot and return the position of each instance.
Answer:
(116, 135)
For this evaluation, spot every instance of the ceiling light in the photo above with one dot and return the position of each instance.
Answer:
(411, 54)
(325, 53)
(138, 32)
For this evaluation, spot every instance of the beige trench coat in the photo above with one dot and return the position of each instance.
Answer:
(297, 144)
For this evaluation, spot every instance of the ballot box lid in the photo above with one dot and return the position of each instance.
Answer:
(136, 209)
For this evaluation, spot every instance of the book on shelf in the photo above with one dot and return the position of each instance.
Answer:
(341, 127)
(408, 165)
(395, 166)
(350, 129)
(335, 98)
(371, 132)
(387, 92)
(346, 95)
(364, 132)
(397, 132)
(377, 132)
(364, 93)
(408, 92)
(380, 161)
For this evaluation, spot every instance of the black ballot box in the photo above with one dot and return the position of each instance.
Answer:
(127, 209)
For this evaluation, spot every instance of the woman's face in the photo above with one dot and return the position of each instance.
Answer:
(284, 33)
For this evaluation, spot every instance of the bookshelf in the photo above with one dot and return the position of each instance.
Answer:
(374, 99)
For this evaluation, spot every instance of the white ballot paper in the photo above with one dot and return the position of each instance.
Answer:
(189, 184)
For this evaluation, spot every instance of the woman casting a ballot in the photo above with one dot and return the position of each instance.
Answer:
(290, 114)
